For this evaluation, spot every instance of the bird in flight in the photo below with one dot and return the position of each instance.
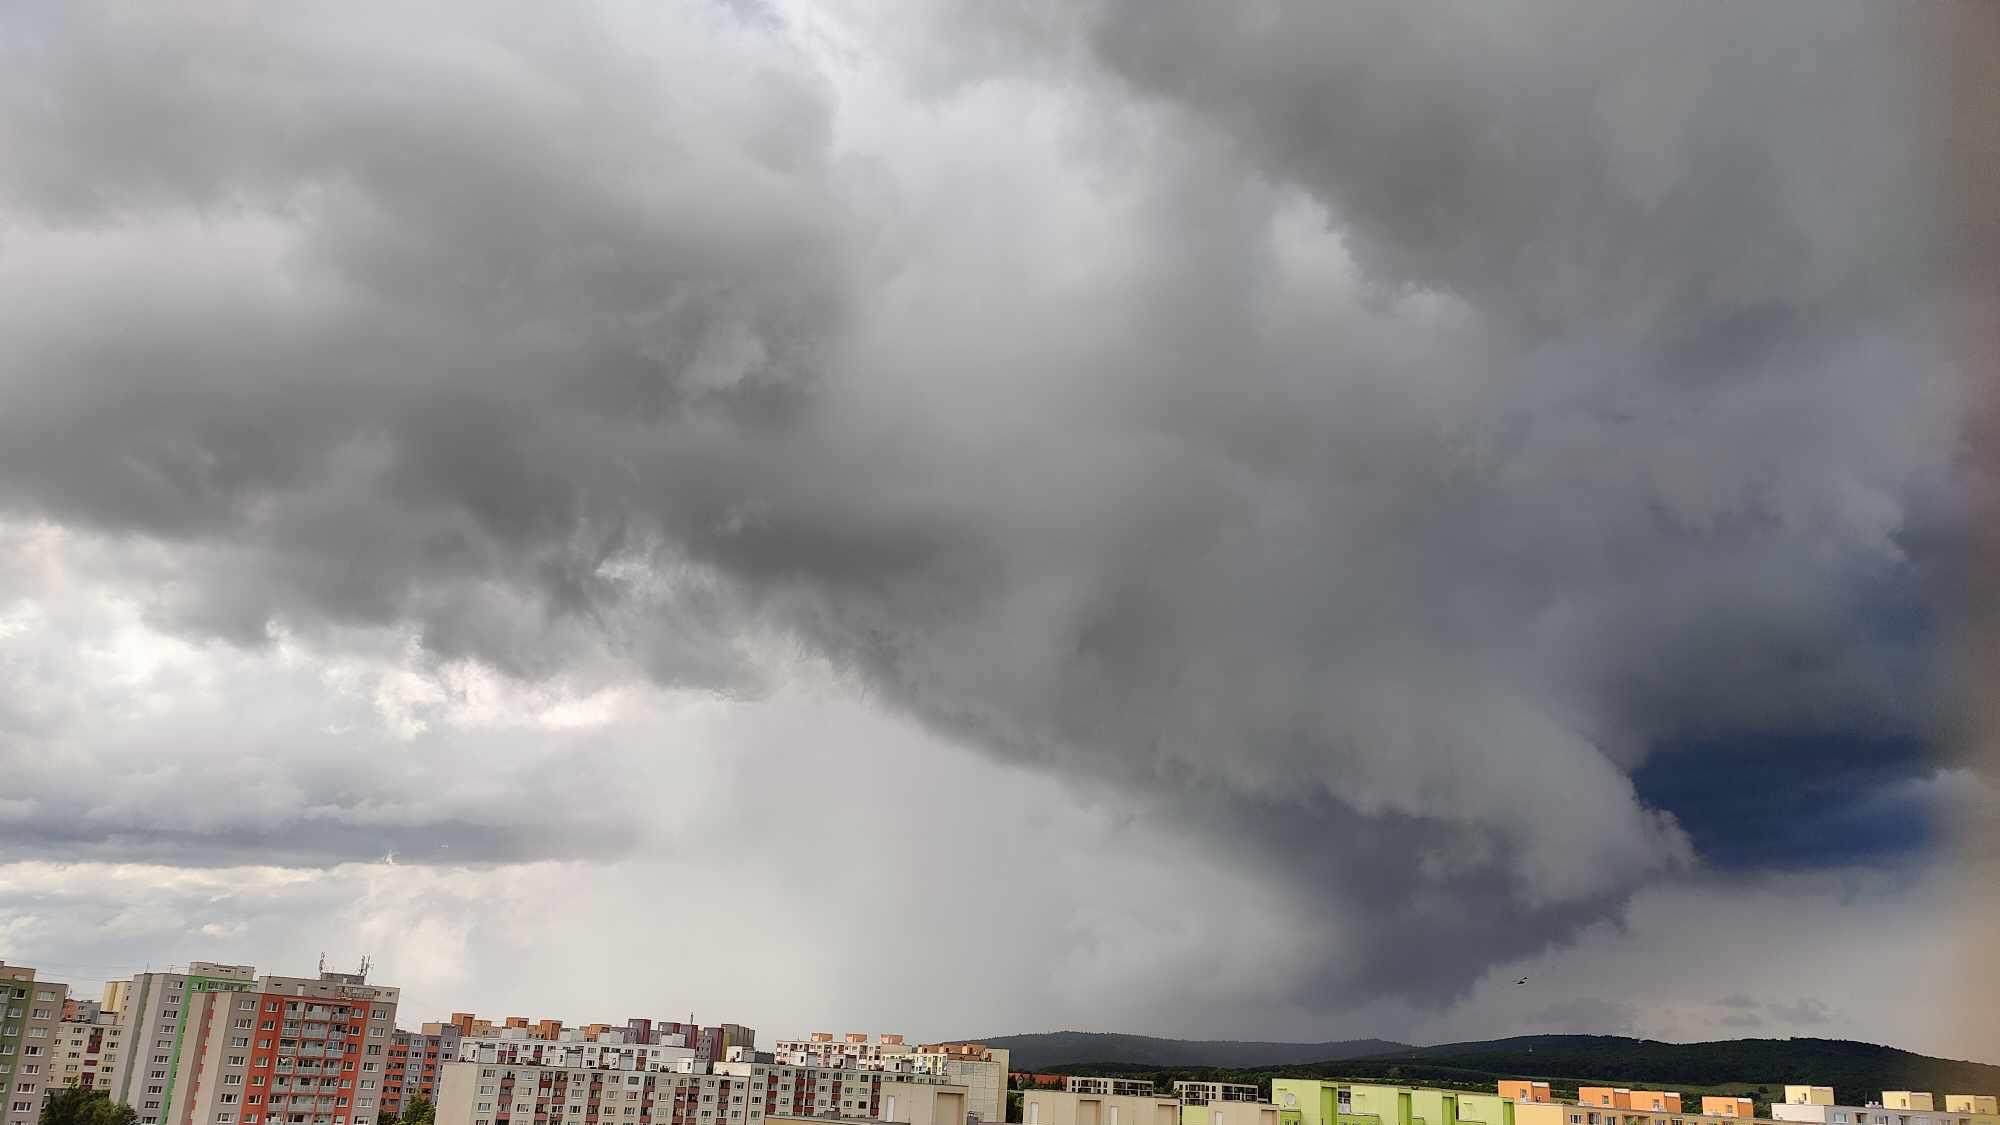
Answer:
(1523, 980)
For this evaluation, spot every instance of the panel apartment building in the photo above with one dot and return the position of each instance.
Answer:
(415, 1064)
(87, 1047)
(982, 1070)
(30, 1012)
(219, 1045)
(686, 1092)
(1816, 1105)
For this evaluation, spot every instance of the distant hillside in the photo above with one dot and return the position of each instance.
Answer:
(1039, 1052)
(1858, 1072)
(1758, 1068)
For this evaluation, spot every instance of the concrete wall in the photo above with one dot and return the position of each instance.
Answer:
(919, 1103)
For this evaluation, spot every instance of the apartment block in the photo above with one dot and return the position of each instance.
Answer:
(87, 1048)
(219, 1045)
(607, 1054)
(1815, 1104)
(982, 1070)
(1316, 1102)
(1622, 1097)
(1089, 1107)
(152, 1010)
(682, 1092)
(1712, 1106)
(414, 1061)
(1103, 1087)
(1908, 1099)
(1524, 1090)
(1202, 1093)
(856, 1048)
(30, 1013)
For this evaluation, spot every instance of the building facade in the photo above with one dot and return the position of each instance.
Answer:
(1101, 1087)
(1085, 1107)
(1236, 1112)
(982, 1070)
(1317, 1102)
(1202, 1093)
(822, 1048)
(1815, 1105)
(218, 1045)
(30, 1014)
(152, 1009)
(88, 1047)
(415, 1059)
(687, 1091)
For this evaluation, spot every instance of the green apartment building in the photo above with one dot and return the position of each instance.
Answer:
(1306, 1101)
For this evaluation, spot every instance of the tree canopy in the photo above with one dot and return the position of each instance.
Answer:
(74, 1105)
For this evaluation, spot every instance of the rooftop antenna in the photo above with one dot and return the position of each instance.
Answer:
(322, 960)
(365, 963)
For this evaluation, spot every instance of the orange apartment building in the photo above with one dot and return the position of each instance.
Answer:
(1727, 1107)
(1523, 1090)
(1639, 1101)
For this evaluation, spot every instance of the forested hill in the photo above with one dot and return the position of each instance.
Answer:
(1038, 1052)
(1859, 1072)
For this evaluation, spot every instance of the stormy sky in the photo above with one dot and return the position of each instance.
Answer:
(1258, 520)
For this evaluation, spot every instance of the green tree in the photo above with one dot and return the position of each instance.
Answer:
(419, 1111)
(74, 1105)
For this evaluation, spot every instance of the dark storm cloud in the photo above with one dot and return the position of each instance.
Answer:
(1464, 401)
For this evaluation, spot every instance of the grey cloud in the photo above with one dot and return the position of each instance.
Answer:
(1449, 411)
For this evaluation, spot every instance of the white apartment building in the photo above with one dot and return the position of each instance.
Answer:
(1103, 1087)
(30, 1012)
(888, 1052)
(1202, 1093)
(608, 1052)
(690, 1092)
(1815, 1105)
